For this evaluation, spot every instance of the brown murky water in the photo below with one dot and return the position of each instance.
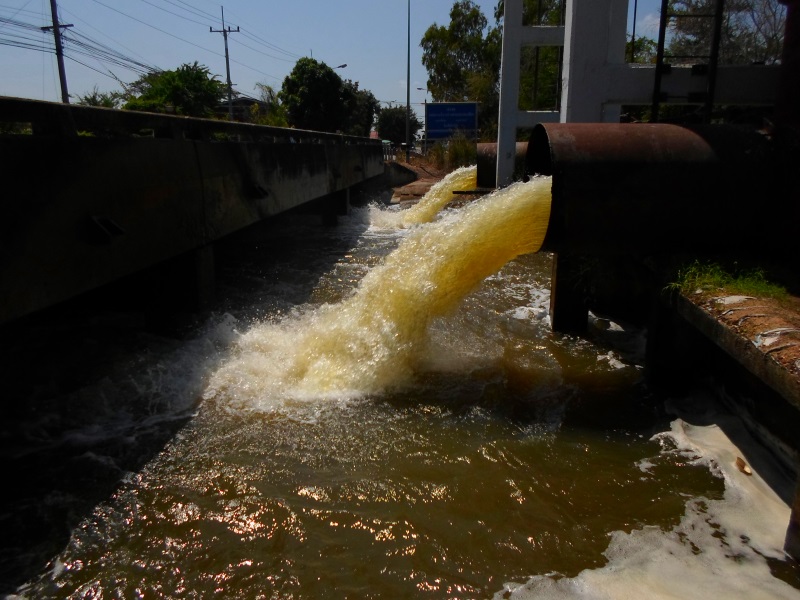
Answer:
(359, 431)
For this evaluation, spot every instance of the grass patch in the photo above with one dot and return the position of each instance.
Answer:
(713, 278)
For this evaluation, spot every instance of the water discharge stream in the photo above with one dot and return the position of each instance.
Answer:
(435, 199)
(385, 413)
(371, 341)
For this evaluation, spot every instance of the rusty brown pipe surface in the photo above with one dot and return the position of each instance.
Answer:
(487, 163)
(656, 188)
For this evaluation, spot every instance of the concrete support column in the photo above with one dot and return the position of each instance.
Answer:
(509, 91)
(205, 278)
(787, 108)
(334, 206)
(594, 47)
(788, 116)
(515, 36)
(569, 311)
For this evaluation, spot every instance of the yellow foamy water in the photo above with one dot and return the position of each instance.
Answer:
(434, 200)
(373, 340)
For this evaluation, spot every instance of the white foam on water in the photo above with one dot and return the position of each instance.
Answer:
(718, 550)
(612, 359)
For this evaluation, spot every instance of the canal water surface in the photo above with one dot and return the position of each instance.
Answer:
(380, 410)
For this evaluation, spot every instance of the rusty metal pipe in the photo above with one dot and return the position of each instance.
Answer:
(655, 188)
(487, 163)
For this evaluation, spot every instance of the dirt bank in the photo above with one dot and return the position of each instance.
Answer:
(427, 175)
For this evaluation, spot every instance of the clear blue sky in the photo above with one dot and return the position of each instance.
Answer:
(370, 36)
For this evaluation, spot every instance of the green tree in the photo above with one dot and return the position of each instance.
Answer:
(454, 54)
(540, 67)
(361, 108)
(189, 90)
(536, 12)
(463, 62)
(269, 110)
(314, 97)
(101, 99)
(392, 124)
(752, 30)
(644, 50)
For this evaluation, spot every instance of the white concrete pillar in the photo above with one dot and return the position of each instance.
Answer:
(515, 36)
(594, 50)
(509, 91)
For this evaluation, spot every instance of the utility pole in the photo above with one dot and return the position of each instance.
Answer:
(57, 27)
(224, 31)
(408, 89)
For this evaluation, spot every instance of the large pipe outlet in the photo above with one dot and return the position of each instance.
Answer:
(658, 188)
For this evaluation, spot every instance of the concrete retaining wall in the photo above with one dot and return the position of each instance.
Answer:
(83, 211)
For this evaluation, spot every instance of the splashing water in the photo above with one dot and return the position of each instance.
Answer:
(373, 340)
(462, 179)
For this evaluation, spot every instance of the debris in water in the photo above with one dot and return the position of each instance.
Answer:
(732, 299)
(742, 466)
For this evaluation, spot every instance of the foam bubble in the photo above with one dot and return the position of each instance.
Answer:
(719, 548)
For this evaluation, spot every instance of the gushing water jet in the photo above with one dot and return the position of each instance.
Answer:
(372, 341)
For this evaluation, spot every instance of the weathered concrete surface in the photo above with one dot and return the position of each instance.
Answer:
(720, 341)
(82, 211)
(400, 174)
(721, 321)
(416, 180)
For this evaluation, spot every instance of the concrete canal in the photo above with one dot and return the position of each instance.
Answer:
(378, 409)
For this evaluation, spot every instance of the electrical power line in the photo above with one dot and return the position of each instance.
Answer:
(78, 47)
(261, 52)
(173, 13)
(181, 39)
(105, 35)
(28, 36)
(192, 9)
(269, 45)
(16, 11)
(145, 23)
(86, 46)
(209, 17)
(245, 32)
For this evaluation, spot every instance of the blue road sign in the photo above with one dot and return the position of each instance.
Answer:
(444, 119)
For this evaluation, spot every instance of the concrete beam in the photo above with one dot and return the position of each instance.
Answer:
(542, 36)
(633, 84)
